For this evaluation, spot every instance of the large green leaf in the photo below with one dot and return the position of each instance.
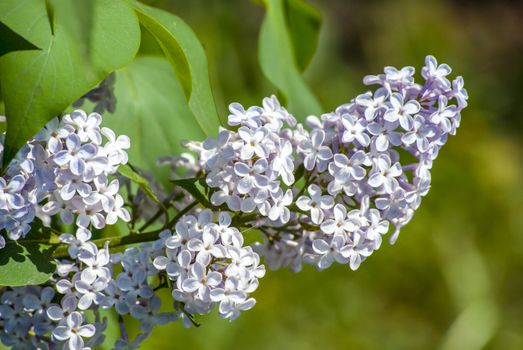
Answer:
(278, 51)
(24, 263)
(90, 39)
(153, 112)
(183, 49)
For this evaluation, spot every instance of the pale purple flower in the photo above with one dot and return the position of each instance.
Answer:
(217, 151)
(90, 292)
(116, 147)
(329, 251)
(40, 302)
(444, 114)
(355, 130)
(75, 154)
(96, 262)
(373, 103)
(420, 134)
(274, 114)
(314, 151)
(73, 332)
(385, 135)
(201, 281)
(71, 185)
(77, 241)
(207, 247)
(402, 111)
(356, 253)
(459, 92)
(279, 210)
(68, 304)
(283, 164)
(115, 210)
(316, 203)
(87, 126)
(339, 225)
(231, 310)
(251, 177)
(10, 198)
(344, 169)
(433, 71)
(403, 76)
(253, 143)
(242, 117)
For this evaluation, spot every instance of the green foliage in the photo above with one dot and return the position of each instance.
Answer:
(26, 263)
(90, 40)
(288, 39)
(303, 22)
(183, 49)
(128, 171)
(153, 112)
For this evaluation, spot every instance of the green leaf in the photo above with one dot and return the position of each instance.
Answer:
(153, 112)
(190, 186)
(11, 41)
(25, 263)
(278, 50)
(128, 171)
(91, 39)
(187, 56)
(304, 23)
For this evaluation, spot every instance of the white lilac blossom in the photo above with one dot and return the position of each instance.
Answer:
(64, 171)
(365, 166)
(324, 192)
(208, 265)
(247, 168)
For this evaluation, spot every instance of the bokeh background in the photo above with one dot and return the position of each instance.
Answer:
(454, 279)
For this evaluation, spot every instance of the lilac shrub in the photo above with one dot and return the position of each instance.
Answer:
(321, 192)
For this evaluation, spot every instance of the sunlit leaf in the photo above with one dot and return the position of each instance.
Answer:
(304, 23)
(187, 56)
(278, 51)
(153, 112)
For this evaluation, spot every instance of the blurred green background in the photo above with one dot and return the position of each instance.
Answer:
(454, 279)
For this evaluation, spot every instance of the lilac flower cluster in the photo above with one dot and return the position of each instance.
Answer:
(64, 171)
(247, 167)
(365, 166)
(81, 283)
(209, 265)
